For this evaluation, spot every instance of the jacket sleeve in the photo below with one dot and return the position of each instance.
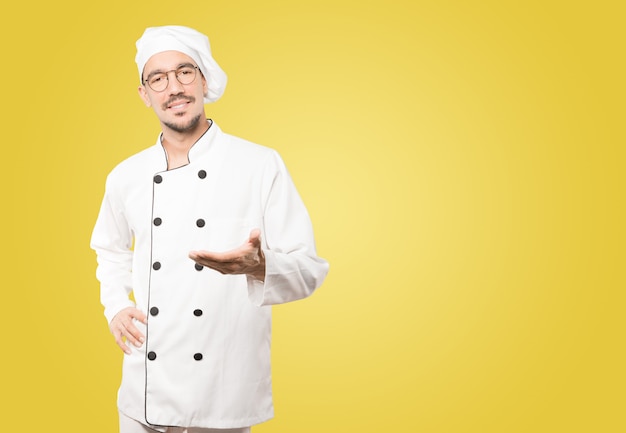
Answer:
(292, 268)
(112, 241)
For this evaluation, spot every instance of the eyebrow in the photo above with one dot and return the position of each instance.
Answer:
(161, 71)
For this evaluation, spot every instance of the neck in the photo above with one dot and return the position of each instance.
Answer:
(177, 144)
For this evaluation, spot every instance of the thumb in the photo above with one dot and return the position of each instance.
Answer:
(255, 237)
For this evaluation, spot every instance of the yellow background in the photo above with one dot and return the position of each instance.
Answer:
(463, 165)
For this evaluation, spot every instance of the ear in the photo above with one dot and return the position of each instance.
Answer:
(144, 96)
(205, 86)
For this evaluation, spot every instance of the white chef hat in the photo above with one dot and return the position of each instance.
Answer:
(188, 41)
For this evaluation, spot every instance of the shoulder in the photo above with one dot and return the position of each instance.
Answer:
(245, 148)
(246, 153)
(142, 164)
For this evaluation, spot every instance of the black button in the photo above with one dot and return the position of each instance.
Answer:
(199, 267)
(154, 311)
(197, 356)
(200, 223)
(158, 179)
(156, 266)
(197, 313)
(151, 356)
(202, 174)
(157, 221)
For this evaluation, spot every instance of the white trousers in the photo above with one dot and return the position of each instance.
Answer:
(129, 425)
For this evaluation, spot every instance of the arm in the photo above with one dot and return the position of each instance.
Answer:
(112, 241)
(282, 265)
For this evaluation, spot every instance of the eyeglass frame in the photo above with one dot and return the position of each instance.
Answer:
(166, 73)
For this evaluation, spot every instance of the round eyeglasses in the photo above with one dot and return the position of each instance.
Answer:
(159, 81)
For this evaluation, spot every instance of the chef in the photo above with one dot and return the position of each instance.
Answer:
(197, 236)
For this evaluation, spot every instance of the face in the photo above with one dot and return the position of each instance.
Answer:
(180, 107)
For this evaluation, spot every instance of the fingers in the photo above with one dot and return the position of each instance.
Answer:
(232, 256)
(246, 259)
(119, 340)
(124, 330)
(211, 257)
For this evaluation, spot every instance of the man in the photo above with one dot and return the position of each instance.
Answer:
(207, 231)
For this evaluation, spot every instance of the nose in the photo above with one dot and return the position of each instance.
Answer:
(174, 86)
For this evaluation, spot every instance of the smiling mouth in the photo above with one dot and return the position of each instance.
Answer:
(178, 104)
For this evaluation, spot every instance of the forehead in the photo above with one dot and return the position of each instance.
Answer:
(166, 60)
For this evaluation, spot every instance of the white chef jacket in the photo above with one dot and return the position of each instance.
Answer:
(206, 359)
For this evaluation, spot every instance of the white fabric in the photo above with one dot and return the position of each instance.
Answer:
(129, 425)
(188, 41)
(246, 186)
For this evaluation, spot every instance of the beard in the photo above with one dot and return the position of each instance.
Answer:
(185, 127)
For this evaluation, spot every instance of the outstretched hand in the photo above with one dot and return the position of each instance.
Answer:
(247, 259)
